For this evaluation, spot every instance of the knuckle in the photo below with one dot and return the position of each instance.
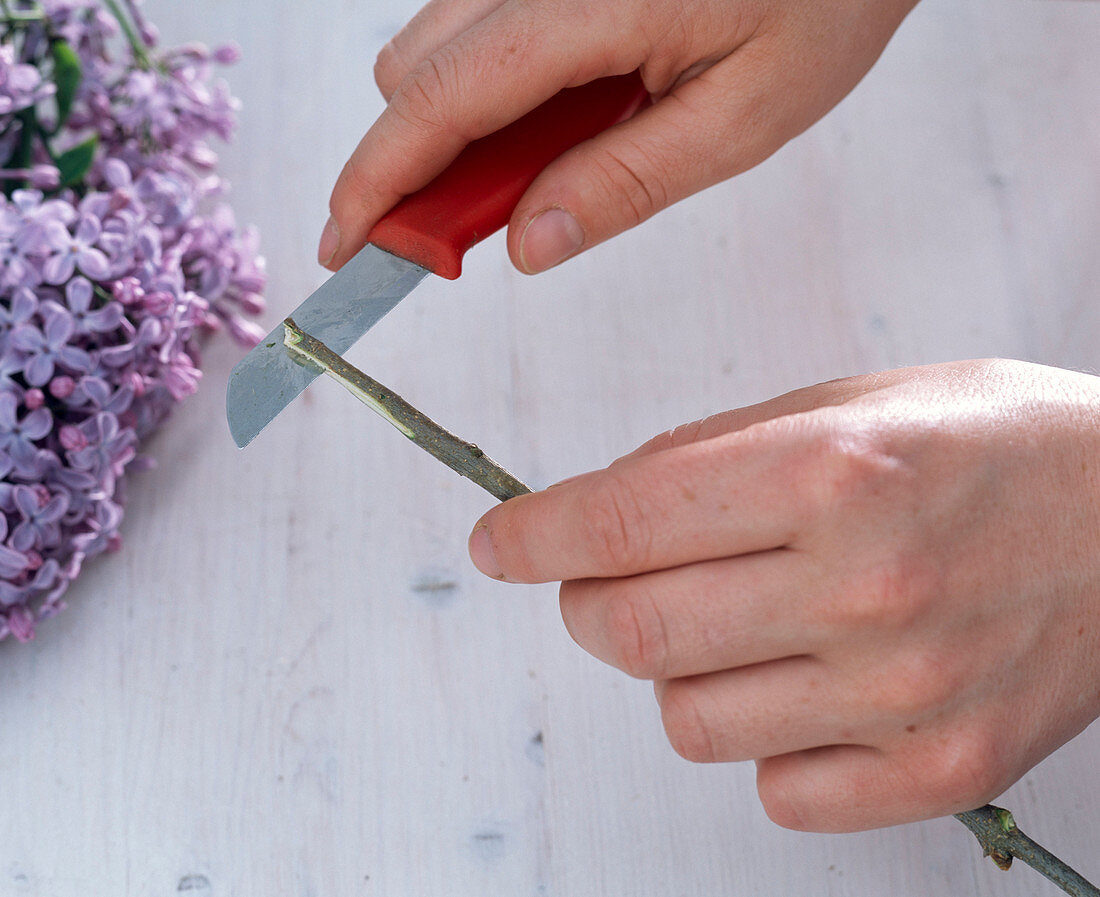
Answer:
(904, 587)
(917, 684)
(684, 724)
(628, 181)
(848, 467)
(356, 180)
(425, 98)
(970, 769)
(637, 633)
(616, 526)
(891, 594)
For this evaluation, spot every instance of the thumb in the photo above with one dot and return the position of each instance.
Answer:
(690, 139)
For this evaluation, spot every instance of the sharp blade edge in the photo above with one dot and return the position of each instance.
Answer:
(338, 313)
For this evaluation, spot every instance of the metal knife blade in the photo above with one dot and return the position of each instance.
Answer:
(427, 231)
(337, 313)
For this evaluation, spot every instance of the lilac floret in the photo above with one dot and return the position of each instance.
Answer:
(41, 512)
(107, 450)
(45, 349)
(87, 319)
(12, 563)
(21, 85)
(77, 250)
(18, 435)
(19, 309)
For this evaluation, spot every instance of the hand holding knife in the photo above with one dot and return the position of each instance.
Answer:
(427, 232)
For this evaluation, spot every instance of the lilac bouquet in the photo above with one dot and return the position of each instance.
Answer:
(117, 257)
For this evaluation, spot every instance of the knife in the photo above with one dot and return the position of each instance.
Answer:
(427, 232)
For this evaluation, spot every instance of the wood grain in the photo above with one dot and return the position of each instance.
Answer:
(291, 681)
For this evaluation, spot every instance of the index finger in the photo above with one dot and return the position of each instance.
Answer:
(734, 494)
(493, 73)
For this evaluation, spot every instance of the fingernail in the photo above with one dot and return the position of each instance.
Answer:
(549, 238)
(481, 553)
(330, 242)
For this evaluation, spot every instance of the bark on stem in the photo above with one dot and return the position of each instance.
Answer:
(1001, 840)
(459, 455)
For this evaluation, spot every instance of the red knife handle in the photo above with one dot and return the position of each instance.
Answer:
(476, 195)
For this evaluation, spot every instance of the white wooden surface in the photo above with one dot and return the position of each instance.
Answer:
(292, 682)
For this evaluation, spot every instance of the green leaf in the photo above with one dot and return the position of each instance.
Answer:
(67, 75)
(74, 163)
(24, 149)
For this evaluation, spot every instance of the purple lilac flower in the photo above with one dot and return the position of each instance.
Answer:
(16, 269)
(18, 310)
(11, 364)
(41, 512)
(86, 319)
(76, 250)
(21, 85)
(97, 394)
(108, 287)
(12, 563)
(108, 450)
(47, 348)
(18, 434)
